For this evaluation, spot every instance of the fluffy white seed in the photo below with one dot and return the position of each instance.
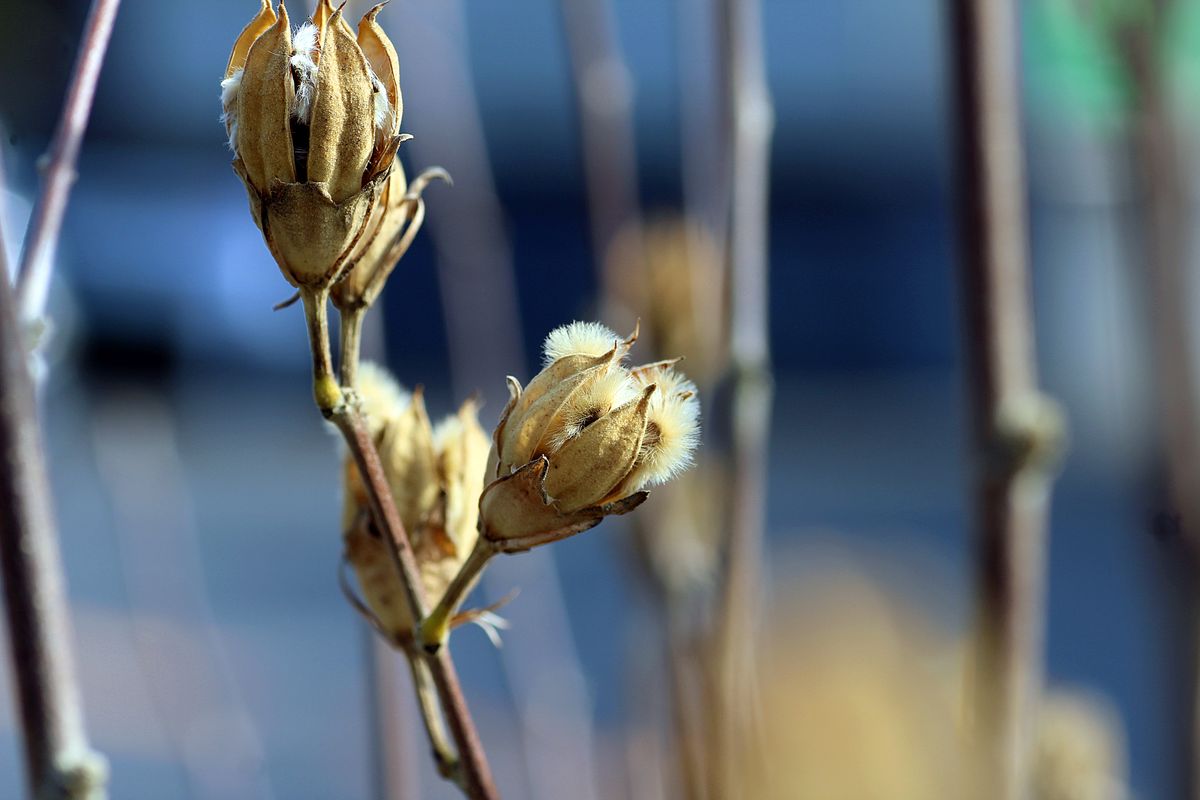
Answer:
(672, 427)
(230, 87)
(304, 70)
(578, 338)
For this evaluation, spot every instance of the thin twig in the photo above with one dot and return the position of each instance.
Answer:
(604, 99)
(476, 774)
(1161, 182)
(59, 760)
(41, 239)
(1017, 431)
(747, 129)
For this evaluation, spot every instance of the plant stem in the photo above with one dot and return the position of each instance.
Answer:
(41, 239)
(1015, 426)
(350, 334)
(1161, 181)
(60, 762)
(604, 101)
(748, 124)
(325, 387)
(431, 716)
(435, 628)
(476, 774)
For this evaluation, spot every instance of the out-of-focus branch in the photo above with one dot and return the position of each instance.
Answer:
(604, 98)
(41, 240)
(747, 128)
(1159, 175)
(479, 298)
(59, 760)
(475, 774)
(1017, 432)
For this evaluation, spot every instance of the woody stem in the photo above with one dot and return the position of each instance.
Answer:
(475, 773)
(435, 628)
(351, 342)
(325, 388)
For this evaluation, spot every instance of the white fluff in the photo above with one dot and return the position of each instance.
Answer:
(229, 103)
(380, 397)
(304, 69)
(383, 107)
(578, 338)
(672, 430)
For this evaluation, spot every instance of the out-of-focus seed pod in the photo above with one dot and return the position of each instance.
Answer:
(435, 475)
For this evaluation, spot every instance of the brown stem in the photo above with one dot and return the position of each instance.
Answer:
(350, 334)
(41, 240)
(748, 124)
(1016, 430)
(476, 774)
(1161, 183)
(58, 758)
(316, 313)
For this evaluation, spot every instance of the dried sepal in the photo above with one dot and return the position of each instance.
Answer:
(403, 213)
(262, 21)
(409, 462)
(462, 453)
(381, 55)
(309, 234)
(516, 513)
(342, 134)
(587, 469)
(382, 591)
(264, 139)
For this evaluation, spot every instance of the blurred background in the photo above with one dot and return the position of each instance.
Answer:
(197, 490)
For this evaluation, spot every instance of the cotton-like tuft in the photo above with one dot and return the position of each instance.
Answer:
(578, 338)
(304, 70)
(380, 397)
(230, 87)
(672, 427)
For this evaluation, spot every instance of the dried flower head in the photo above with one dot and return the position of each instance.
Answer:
(435, 475)
(313, 121)
(668, 272)
(584, 438)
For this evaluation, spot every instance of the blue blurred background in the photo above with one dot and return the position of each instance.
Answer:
(197, 491)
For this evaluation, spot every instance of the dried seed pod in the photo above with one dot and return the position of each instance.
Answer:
(313, 129)
(435, 475)
(583, 438)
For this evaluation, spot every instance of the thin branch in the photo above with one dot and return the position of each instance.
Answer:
(604, 100)
(59, 759)
(476, 774)
(1017, 431)
(41, 240)
(747, 126)
(1161, 183)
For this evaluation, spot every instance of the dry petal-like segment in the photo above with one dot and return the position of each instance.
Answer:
(264, 138)
(342, 131)
(409, 462)
(462, 452)
(381, 55)
(516, 514)
(262, 21)
(589, 467)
